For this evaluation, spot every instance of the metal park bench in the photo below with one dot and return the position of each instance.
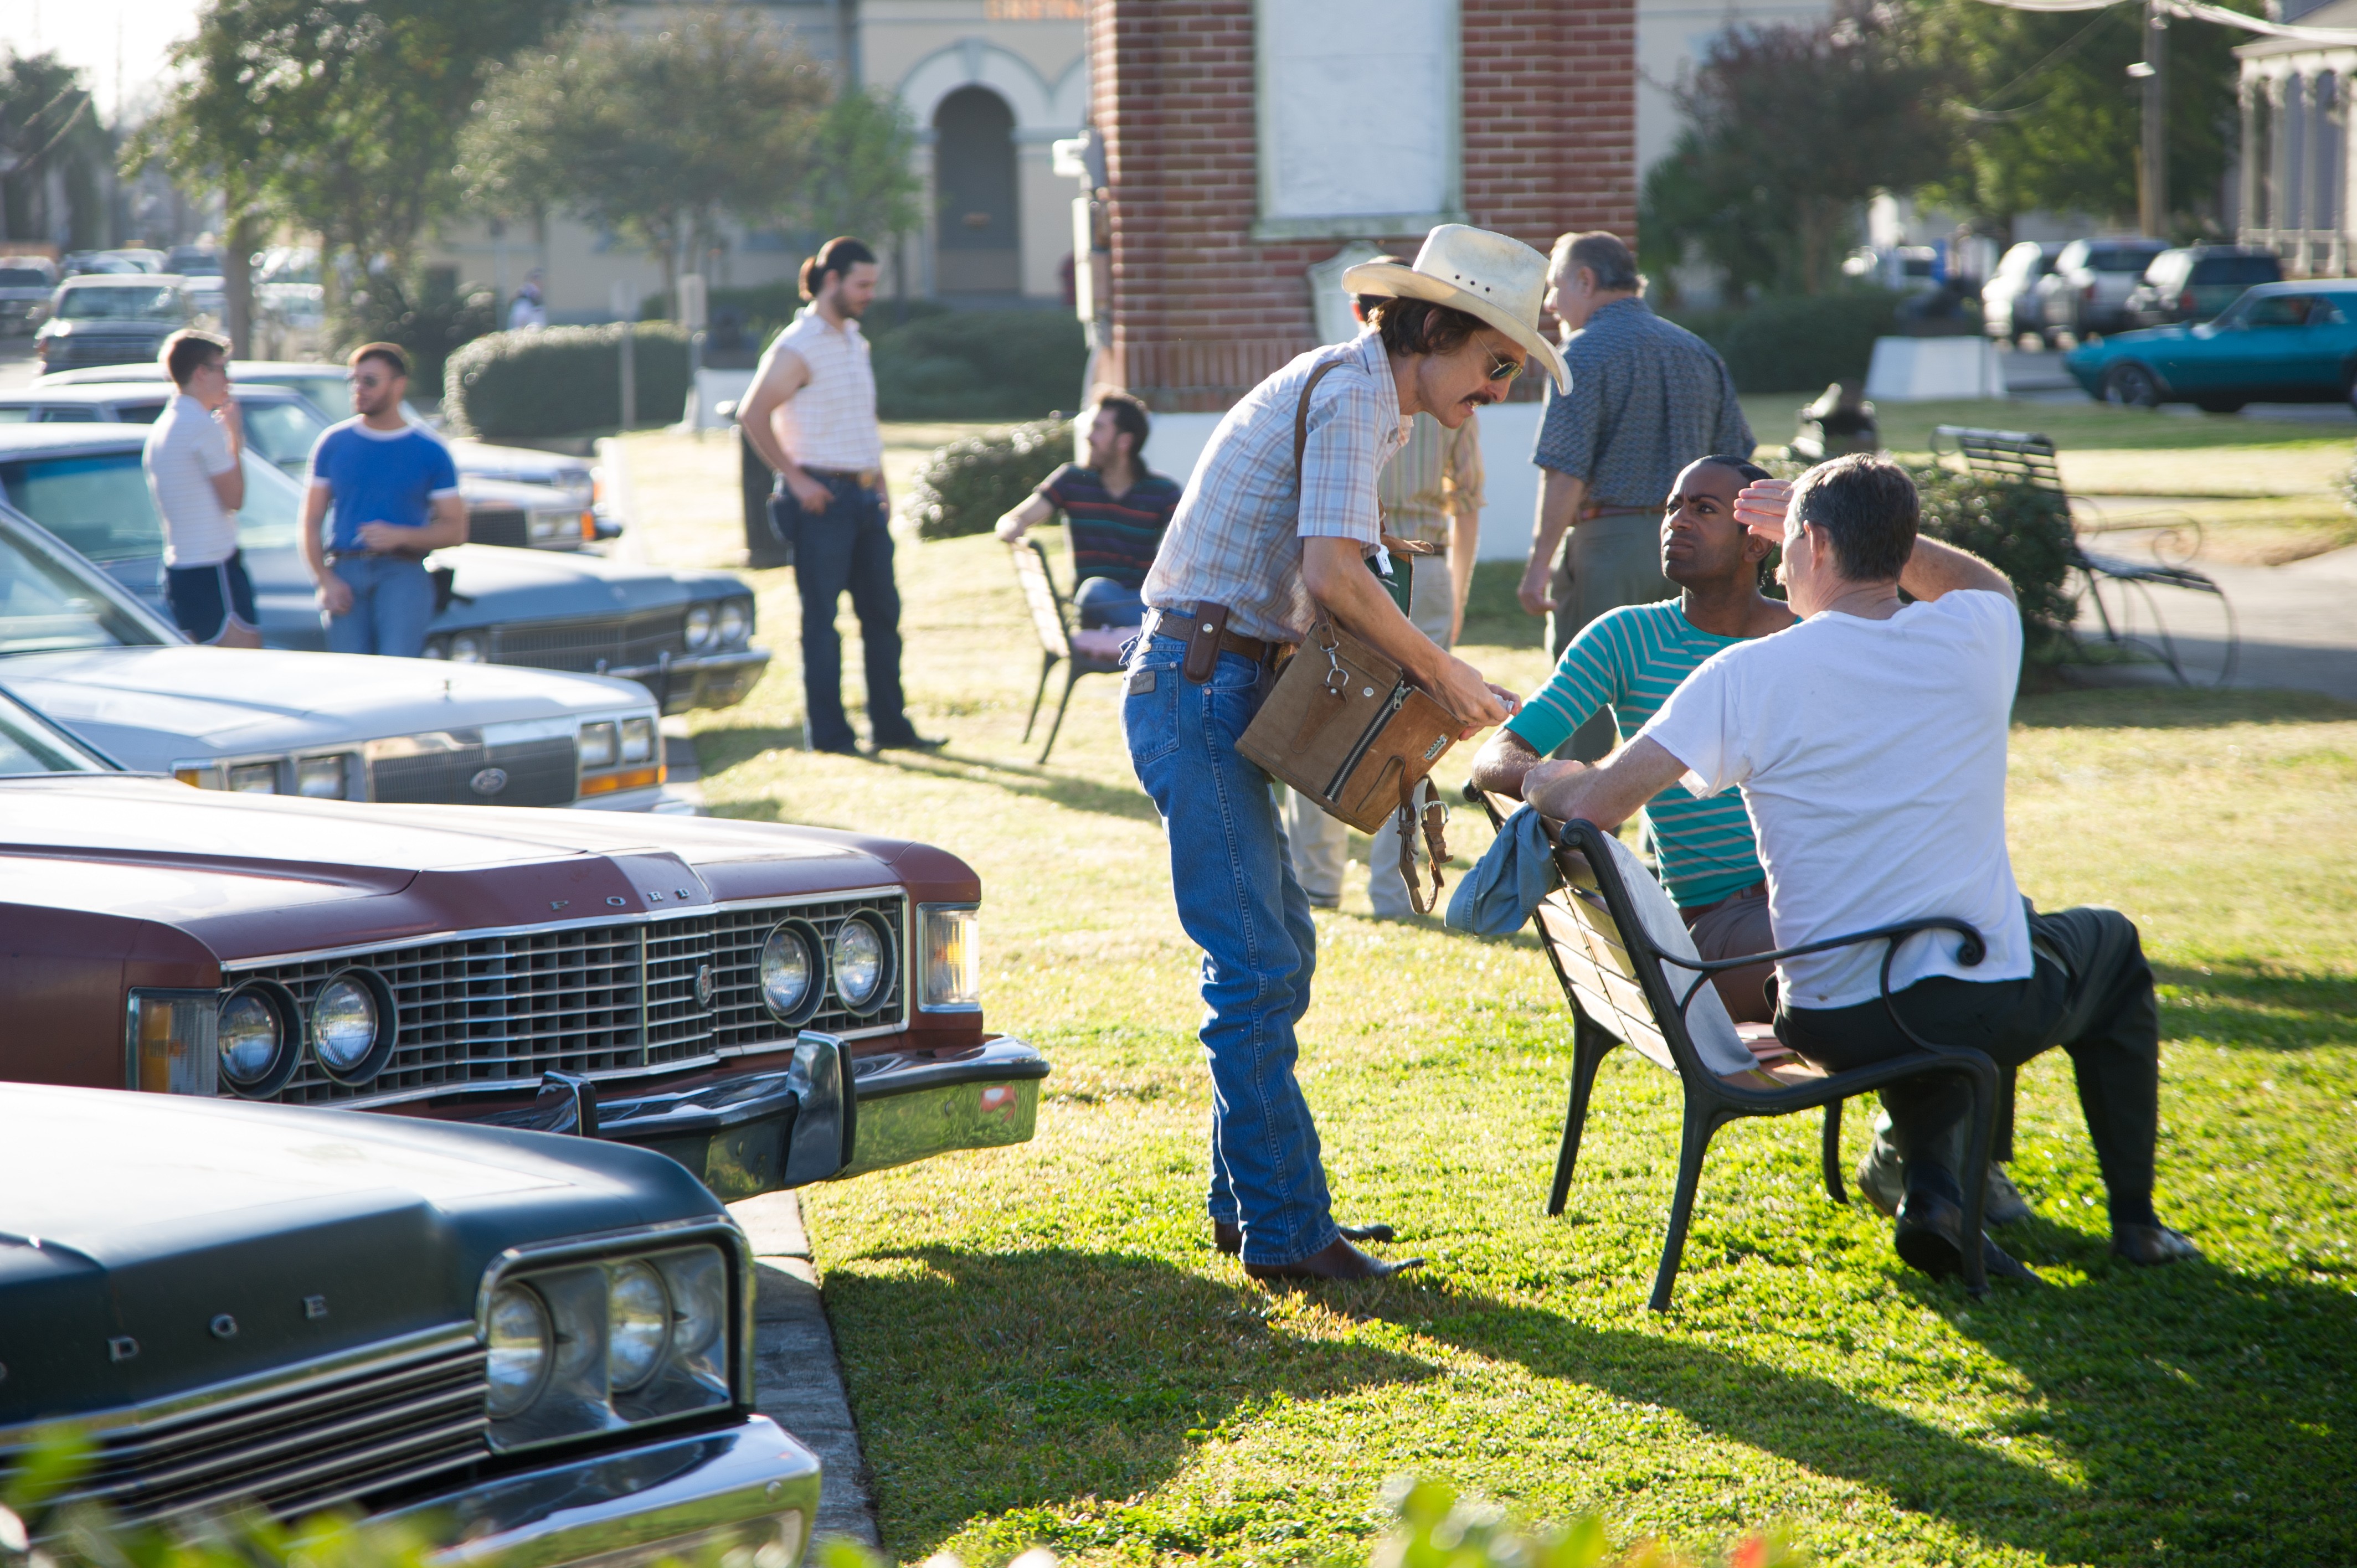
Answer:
(2026, 458)
(1620, 993)
(1093, 652)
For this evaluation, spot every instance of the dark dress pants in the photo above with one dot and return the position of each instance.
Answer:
(2091, 994)
(846, 548)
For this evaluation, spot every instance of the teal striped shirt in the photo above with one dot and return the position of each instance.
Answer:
(1633, 658)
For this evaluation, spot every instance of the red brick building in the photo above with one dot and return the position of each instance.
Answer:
(1247, 142)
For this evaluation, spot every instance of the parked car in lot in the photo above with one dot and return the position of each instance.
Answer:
(340, 727)
(2009, 302)
(533, 1349)
(281, 426)
(2285, 342)
(769, 1005)
(2087, 292)
(2195, 282)
(112, 319)
(684, 636)
(26, 284)
(324, 386)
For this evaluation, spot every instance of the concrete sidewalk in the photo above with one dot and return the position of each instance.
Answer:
(2297, 625)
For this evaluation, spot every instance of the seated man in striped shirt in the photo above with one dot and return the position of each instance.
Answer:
(1116, 510)
(1631, 660)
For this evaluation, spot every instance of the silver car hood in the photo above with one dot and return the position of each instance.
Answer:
(151, 707)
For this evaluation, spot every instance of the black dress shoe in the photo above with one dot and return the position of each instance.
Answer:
(839, 748)
(912, 741)
(2151, 1244)
(1340, 1262)
(1930, 1236)
(1230, 1238)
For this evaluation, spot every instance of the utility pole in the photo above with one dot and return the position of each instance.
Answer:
(2152, 173)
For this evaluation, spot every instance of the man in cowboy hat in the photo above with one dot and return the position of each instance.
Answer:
(1254, 552)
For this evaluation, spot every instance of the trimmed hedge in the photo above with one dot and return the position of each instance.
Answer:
(2020, 530)
(980, 365)
(1800, 342)
(562, 380)
(968, 485)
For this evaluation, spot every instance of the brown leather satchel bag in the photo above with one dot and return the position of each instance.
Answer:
(1345, 726)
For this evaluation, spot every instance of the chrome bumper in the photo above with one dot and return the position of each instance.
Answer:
(751, 1485)
(750, 1135)
(699, 679)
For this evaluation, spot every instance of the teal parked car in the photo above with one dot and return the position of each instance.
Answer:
(2281, 342)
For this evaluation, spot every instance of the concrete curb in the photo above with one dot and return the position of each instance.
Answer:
(798, 1381)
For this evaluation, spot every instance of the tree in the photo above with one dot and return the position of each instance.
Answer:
(1789, 129)
(655, 137)
(859, 178)
(2048, 118)
(48, 125)
(337, 116)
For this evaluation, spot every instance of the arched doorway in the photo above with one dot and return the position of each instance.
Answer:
(979, 248)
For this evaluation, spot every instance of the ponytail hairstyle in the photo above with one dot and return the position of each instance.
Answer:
(838, 256)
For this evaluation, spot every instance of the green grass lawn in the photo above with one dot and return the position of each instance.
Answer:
(1042, 1348)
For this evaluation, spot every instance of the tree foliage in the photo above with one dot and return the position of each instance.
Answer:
(1789, 129)
(2048, 116)
(859, 178)
(656, 138)
(47, 124)
(340, 116)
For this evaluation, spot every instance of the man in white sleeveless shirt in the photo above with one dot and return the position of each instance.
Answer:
(812, 416)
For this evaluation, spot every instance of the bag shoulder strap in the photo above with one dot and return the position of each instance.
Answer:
(1301, 420)
(1434, 821)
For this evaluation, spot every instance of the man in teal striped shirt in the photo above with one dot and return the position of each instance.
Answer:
(1631, 660)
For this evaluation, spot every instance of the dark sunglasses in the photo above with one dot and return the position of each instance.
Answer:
(1501, 368)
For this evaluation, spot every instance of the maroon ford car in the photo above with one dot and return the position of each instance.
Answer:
(769, 1005)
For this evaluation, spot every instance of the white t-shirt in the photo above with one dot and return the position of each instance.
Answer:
(186, 449)
(1871, 755)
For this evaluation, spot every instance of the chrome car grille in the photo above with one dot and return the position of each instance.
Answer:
(498, 525)
(500, 1009)
(539, 773)
(587, 646)
(319, 1442)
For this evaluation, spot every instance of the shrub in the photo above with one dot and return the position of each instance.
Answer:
(561, 380)
(980, 365)
(968, 485)
(429, 313)
(2020, 530)
(1799, 343)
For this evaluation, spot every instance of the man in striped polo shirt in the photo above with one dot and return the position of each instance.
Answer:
(1114, 510)
(1631, 660)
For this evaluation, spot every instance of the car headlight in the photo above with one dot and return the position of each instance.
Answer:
(581, 1348)
(517, 1334)
(953, 958)
(638, 1324)
(437, 648)
(258, 1043)
(736, 622)
(350, 1024)
(321, 778)
(789, 972)
(699, 626)
(862, 962)
(468, 648)
(597, 746)
(254, 778)
(638, 741)
(563, 524)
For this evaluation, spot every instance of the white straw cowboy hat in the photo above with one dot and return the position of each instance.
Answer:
(1496, 279)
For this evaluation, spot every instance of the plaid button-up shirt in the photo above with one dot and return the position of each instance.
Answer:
(1236, 537)
(1647, 398)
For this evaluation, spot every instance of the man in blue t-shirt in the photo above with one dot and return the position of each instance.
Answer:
(1114, 509)
(395, 494)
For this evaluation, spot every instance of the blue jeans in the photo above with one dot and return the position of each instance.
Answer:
(1238, 899)
(393, 601)
(846, 547)
(1104, 602)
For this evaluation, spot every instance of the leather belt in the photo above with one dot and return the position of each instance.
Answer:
(334, 555)
(1179, 623)
(1601, 510)
(865, 479)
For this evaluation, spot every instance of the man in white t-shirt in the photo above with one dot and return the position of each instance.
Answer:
(194, 459)
(1870, 743)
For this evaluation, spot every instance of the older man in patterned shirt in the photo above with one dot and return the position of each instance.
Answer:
(1647, 398)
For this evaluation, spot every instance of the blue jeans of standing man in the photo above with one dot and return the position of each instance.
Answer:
(393, 602)
(1238, 899)
(846, 547)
